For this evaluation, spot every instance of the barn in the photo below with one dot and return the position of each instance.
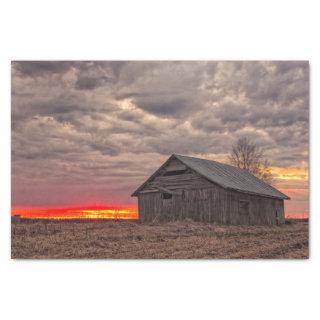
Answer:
(208, 191)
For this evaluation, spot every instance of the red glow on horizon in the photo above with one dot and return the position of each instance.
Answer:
(97, 212)
(83, 212)
(303, 215)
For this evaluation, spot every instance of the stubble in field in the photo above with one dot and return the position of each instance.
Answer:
(175, 240)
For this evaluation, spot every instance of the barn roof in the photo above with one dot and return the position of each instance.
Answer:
(226, 176)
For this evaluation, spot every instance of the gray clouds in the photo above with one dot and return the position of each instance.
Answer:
(106, 125)
(40, 68)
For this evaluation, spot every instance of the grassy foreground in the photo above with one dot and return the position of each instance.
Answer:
(175, 240)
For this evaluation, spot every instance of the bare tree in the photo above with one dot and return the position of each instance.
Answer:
(245, 154)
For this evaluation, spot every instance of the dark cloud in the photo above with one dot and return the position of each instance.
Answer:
(101, 127)
(91, 75)
(165, 106)
(40, 68)
(207, 121)
(89, 83)
(288, 66)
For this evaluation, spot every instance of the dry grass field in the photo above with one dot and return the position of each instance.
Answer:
(175, 240)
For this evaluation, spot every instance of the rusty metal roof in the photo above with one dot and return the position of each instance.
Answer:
(230, 177)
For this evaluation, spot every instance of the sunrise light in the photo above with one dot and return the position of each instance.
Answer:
(290, 173)
(84, 212)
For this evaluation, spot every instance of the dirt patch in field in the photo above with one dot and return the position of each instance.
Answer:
(176, 240)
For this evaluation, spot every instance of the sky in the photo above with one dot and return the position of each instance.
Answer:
(89, 133)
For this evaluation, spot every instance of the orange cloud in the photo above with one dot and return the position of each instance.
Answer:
(293, 181)
(290, 173)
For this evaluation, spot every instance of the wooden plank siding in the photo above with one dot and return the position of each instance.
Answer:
(199, 199)
(187, 180)
(210, 205)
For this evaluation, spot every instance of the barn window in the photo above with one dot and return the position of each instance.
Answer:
(166, 195)
(174, 172)
(244, 207)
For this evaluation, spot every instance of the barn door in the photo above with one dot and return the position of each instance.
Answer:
(244, 211)
(279, 216)
(167, 203)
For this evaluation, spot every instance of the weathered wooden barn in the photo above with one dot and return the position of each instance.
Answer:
(205, 190)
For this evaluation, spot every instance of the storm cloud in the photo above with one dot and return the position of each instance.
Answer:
(92, 131)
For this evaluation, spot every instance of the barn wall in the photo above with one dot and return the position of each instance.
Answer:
(262, 210)
(210, 205)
